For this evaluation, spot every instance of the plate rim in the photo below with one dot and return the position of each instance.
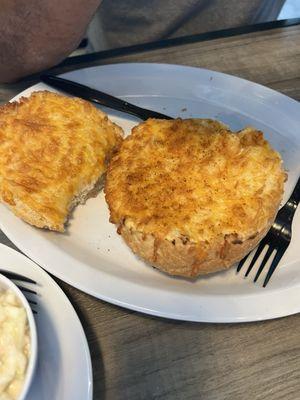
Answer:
(177, 66)
(14, 253)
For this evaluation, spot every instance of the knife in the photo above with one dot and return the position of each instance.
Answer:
(98, 97)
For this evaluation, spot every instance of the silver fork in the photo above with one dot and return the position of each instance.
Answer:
(26, 291)
(277, 239)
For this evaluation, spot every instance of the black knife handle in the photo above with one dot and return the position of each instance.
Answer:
(96, 96)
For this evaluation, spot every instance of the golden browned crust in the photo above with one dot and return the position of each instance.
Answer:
(190, 196)
(53, 151)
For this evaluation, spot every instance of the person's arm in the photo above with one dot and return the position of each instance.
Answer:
(38, 34)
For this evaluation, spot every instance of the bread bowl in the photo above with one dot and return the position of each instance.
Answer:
(191, 197)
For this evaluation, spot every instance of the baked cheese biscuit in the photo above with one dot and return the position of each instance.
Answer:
(191, 197)
(53, 151)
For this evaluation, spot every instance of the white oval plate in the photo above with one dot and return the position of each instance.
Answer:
(93, 258)
(64, 365)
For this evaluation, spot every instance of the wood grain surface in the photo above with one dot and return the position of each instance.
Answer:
(139, 357)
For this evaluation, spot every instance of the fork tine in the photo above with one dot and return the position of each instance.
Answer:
(273, 266)
(24, 289)
(18, 277)
(264, 261)
(32, 305)
(32, 302)
(256, 255)
(241, 263)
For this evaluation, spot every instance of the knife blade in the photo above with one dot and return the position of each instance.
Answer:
(98, 97)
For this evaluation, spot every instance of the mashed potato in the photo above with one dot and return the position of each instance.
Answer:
(14, 345)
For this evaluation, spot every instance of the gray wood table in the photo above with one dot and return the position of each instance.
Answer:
(136, 356)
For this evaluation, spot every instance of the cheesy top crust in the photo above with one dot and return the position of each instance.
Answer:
(194, 179)
(51, 148)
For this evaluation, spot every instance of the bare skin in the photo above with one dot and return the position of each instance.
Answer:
(38, 34)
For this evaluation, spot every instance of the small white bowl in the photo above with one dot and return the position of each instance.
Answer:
(7, 284)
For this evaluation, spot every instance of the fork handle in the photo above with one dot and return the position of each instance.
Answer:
(288, 210)
(295, 196)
